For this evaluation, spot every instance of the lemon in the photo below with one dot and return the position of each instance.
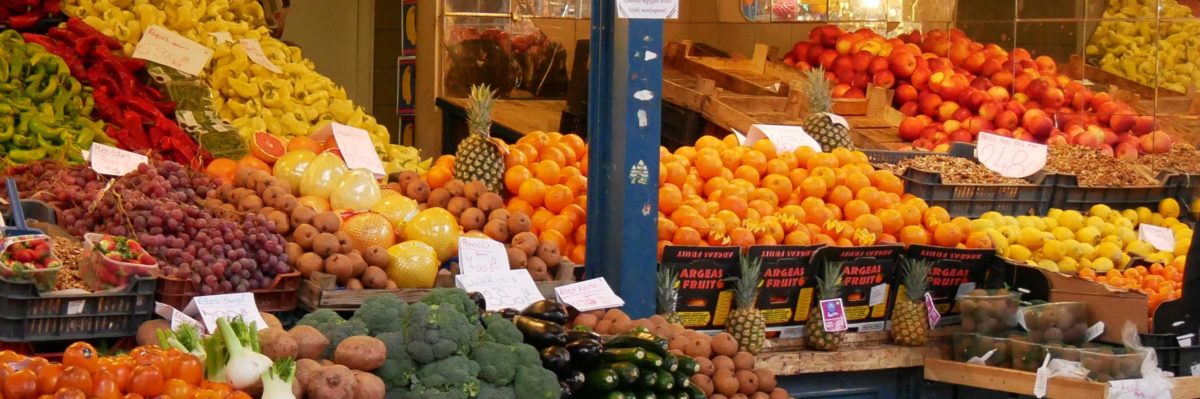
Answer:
(1062, 233)
(1144, 215)
(1054, 212)
(1010, 232)
(1094, 221)
(1126, 234)
(1182, 246)
(1100, 210)
(1160, 257)
(982, 225)
(1030, 237)
(1019, 253)
(1110, 251)
(1088, 235)
(436, 227)
(1107, 228)
(1170, 222)
(414, 265)
(1113, 239)
(1140, 248)
(1085, 264)
(998, 240)
(397, 208)
(1048, 265)
(1102, 265)
(1123, 222)
(1132, 215)
(1071, 219)
(1125, 259)
(1054, 250)
(1049, 223)
(1169, 207)
(1068, 265)
(991, 215)
(1074, 248)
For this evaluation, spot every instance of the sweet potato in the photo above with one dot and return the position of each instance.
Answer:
(310, 342)
(271, 320)
(369, 386)
(331, 382)
(305, 368)
(360, 353)
(277, 343)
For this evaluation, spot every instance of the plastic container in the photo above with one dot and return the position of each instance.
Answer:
(1060, 351)
(1068, 194)
(27, 316)
(1059, 322)
(102, 273)
(1108, 364)
(42, 279)
(279, 297)
(990, 314)
(971, 345)
(34, 209)
(1026, 356)
(1171, 356)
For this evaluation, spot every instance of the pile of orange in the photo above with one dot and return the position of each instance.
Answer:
(265, 148)
(1160, 283)
(721, 193)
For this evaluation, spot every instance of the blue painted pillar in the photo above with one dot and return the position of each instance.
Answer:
(624, 111)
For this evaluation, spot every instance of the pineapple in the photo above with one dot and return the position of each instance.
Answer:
(829, 286)
(910, 318)
(668, 293)
(818, 124)
(479, 157)
(746, 324)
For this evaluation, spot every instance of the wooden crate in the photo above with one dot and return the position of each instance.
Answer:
(320, 291)
(1021, 382)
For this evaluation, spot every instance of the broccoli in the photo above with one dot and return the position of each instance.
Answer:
(382, 313)
(436, 332)
(456, 298)
(455, 375)
(397, 371)
(535, 382)
(333, 327)
(397, 393)
(501, 330)
(319, 318)
(497, 363)
(489, 391)
(527, 354)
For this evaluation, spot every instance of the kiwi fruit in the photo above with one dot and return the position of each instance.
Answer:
(516, 258)
(344, 240)
(391, 285)
(489, 201)
(455, 187)
(293, 251)
(497, 230)
(537, 268)
(354, 284)
(241, 175)
(272, 195)
(341, 266)
(548, 251)
(304, 235)
(502, 214)
(474, 189)
(302, 215)
(747, 382)
(743, 361)
(264, 211)
(472, 219)
(374, 277)
(326, 244)
(223, 193)
(287, 203)
(309, 263)
(357, 262)
(519, 223)
(457, 205)
(417, 190)
(525, 241)
(250, 203)
(280, 220)
(213, 203)
(406, 177)
(281, 184)
(376, 256)
(327, 221)
(439, 198)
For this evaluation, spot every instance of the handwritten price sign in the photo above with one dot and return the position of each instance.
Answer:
(113, 161)
(165, 47)
(786, 138)
(511, 289)
(1010, 157)
(589, 295)
(213, 307)
(255, 52)
(481, 255)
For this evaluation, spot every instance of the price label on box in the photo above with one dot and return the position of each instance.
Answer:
(212, 307)
(589, 295)
(1010, 157)
(785, 138)
(510, 289)
(165, 47)
(481, 255)
(113, 161)
(255, 52)
(1162, 238)
(833, 315)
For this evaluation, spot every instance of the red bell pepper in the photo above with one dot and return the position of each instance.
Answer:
(24, 22)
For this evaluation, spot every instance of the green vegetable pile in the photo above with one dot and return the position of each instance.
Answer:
(44, 111)
(443, 348)
(637, 364)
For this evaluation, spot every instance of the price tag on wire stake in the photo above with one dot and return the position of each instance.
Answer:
(481, 255)
(1010, 157)
(511, 289)
(165, 47)
(255, 52)
(209, 308)
(356, 146)
(113, 161)
(589, 295)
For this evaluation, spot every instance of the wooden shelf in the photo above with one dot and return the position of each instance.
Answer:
(855, 359)
(1021, 382)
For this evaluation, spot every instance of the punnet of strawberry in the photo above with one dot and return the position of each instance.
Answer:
(114, 260)
(29, 258)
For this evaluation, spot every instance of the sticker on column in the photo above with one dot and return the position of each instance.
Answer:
(639, 174)
(648, 9)
(644, 95)
(785, 138)
(833, 315)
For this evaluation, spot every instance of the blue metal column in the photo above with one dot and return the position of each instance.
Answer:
(624, 111)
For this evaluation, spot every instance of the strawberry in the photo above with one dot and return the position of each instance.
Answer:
(135, 248)
(114, 256)
(146, 259)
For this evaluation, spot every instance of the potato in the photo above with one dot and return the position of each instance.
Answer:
(369, 386)
(304, 371)
(779, 393)
(360, 353)
(679, 342)
(658, 320)
(310, 342)
(706, 366)
(331, 382)
(703, 382)
(698, 348)
(743, 361)
(760, 395)
(277, 343)
(271, 320)
(147, 333)
(586, 319)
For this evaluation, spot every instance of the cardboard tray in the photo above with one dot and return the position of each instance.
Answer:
(1111, 305)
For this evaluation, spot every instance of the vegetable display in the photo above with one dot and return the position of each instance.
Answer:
(23, 15)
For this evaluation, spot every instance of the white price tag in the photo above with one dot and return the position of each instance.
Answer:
(1094, 331)
(255, 52)
(165, 47)
(741, 138)
(212, 307)
(878, 295)
(75, 307)
(1162, 238)
(1010, 157)
(163, 310)
(833, 315)
(356, 146)
(1185, 340)
(511, 289)
(481, 255)
(964, 289)
(589, 295)
(648, 9)
(932, 312)
(1140, 388)
(1195, 369)
(113, 161)
(982, 360)
(179, 319)
(1043, 378)
(785, 138)
(221, 37)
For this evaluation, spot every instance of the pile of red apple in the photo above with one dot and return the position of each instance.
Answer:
(952, 88)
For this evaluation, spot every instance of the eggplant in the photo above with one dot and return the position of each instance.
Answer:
(567, 392)
(576, 334)
(548, 310)
(573, 379)
(541, 333)
(479, 300)
(508, 313)
(556, 359)
(585, 353)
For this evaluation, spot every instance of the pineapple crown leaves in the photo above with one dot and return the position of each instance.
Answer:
(916, 282)
(668, 288)
(479, 110)
(829, 284)
(817, 91)
(746, 283)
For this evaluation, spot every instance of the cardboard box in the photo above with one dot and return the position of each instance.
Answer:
(953, 273)
(868, 275)
(1111, 305)
(704, 298)
(786, 294)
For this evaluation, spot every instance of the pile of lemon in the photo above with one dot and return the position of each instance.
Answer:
(1100, 239)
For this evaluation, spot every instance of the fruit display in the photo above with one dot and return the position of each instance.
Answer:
(952, 170)
(910, 318)
(1109, 364)
(746, 324)
(1027, 355)
(1058, 322)
(989, 312)
(1176, 160)
(819, 124)
(114, 260)
(29, 258)
(1160, 283)
(46, 113)
(23, 16)
(951, 88)
(967, 346)
(1129, 42)
(829, 286)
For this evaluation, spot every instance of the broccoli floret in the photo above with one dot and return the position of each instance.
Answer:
(455, 375)
(333, 327)
(397, 371)
(535, 382)
(489, 391)
(397, 393)
(501, 330)
(436, 332)
(527, 354)
(497, 363)
(320, 318)
(456, 298)
(382, 313)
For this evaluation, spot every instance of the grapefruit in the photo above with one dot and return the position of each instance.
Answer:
(369, 228)
(222, 169)
(436, 227)
(304, 143)
(316, 203)
(414, 265)
(267, 147)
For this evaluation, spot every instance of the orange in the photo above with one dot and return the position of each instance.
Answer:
(267, 147)
(732, 158)
(886, 238)
(737, 205)
(857, 181)
(552, 154)
(762, 207)
(834, 212)
(777, 167)
(575, 213)
(438, 176)
(843, 156)
(826, 174)
(963, 223)
(224, 168)
(765, 147)
(553, 236)
(532, 191)
(577, 184)
(914, 235)
(889, 183)
(709, 142)
(560, 224)
(304, 143)
(948, 235)
(741, 237)
(547, 171)
(839, 196)
(695, 221)
(797, 238)
(910, 213)
(872, 197)
(515, 176)
(798, 175)
(859, 157)
(779, 184)
(669, 198)
(789, 159)
(813, 186)
(536, 139)
(531, 153)
(708, 166)
(514, 158)
(686, 236)
(821, 159)
(891, 219)
(756, 160)
(818, 215)
(869, 222)
(934, 217)
(747, 173)
(580, 235)
(250, 161)
(765, 195)
(687, 152)
(802, 155)
(575, 142)
(558, 197)
(569, 156)
(674, 173)
(855, 208)
(578, 254)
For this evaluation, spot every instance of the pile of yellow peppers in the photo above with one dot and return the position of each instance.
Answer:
(1131, 42)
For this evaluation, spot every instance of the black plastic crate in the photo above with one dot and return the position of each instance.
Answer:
(27, 316)
(1171, 356)
(1069, 195)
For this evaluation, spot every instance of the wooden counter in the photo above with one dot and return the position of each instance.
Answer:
(511, 119)
(1021, 382)
(859, 352)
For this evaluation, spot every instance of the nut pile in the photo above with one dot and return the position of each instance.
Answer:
(71, 253)
(1181, 158)
(954, 170)
(1095, 169)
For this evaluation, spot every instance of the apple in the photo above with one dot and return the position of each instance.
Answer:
(981, 83)
(885, 80)
(1098, 99)
(1003, 78)
(1106, 149)
(878, 64)
(989, 110)
(855, 92)
(1143, 124)
(958, 54)
(1089, 138)
(829, 35)
(1057, 139)
(1015, 106)
(1006, 119)
(1046, 64)
(902, 63)
(961, 135)
(1035, 88)
(905, 92)
(789, 61)
(922, 143)
(910, 129)
(1021, 134)
(814, 54)
(1122, 121)
(845, 76)
(1039, 126)
(972, 98)
(951, 125)
(941, 147)
(803, 66)
(1080, 100)
(947, 109)
(1110, 137)
(961, 114)
(910, 108)
(800, 50)
(931, 132)
(1127, 152)
(826, 59)
(920, 78)
(1156, 142)
(998, 93)
(1053, 98)
(843, 63)
(842, 45)
(974, 62)
(861, 61)
(989, 67)
(930, 103)
(1105, 110)
(976, 124)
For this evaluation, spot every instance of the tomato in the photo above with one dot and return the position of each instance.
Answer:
(47, 380)
(208, 394)
(238, 395)
(69, 393)
(75, 377)
(45, 397)
(179, 389)
(7, 356)
(120, 369)
(82, 354)
(32, 364)
(190, 369)
(105, 388)
(21, 385)
(147, 380)
(134, 396)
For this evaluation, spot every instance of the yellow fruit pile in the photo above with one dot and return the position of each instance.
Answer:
(1101, 240)
(1130, 39)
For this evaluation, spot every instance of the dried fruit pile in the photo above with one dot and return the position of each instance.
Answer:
(953, 170)
(1095, 169)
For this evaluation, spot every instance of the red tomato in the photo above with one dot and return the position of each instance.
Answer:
(47, 380)
(75, 377)
(147, 380)
(179, 389)
(21, 385)
(121, 371)
(105, 388)
(82, 354)
(238, 395)
(208, 394)
(69, 393)
(190, 369)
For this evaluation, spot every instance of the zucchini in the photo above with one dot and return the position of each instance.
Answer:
(647, 378)
(694, 392)
(639, 339)
(682, 381)
(601, 379)
(612, 395)
(635, 355)
(627, 373)
(670, 362)
(687, 365)
(652, 360)
(666, 381)
(682, 394)
(645, 394)
(666, 395)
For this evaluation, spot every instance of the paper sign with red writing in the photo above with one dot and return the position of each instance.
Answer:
(165, 47)
(1162, 238)
(355, 144)
(481, 255)
(255, 52)
(510, 289)
(1010, 157)
(785, 138)
(833, 315)
(212, 307)
(589, 295)
(648, 9)
(931, 311)
(113, 161)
